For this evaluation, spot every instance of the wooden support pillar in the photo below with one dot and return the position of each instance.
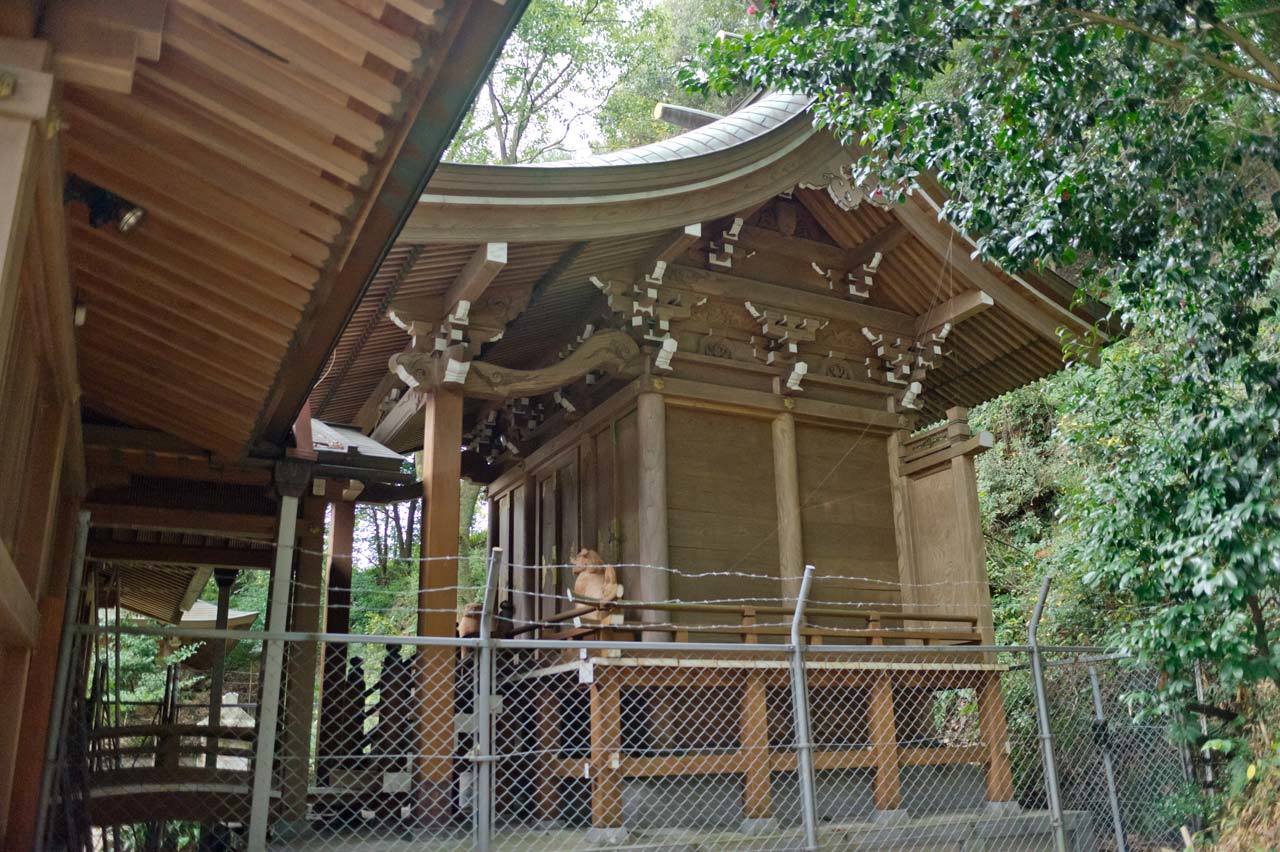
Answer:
(441, 472)
(437, 598)
(753, 731)
(299, 712)
(975, 597)
(654, 582)
(606, 746)
(337, 619)
(887, 788)
(786, 479)
(907, 582)
(995, 737)
(225, 578)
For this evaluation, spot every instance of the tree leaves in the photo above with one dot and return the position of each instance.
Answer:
(1136, 144)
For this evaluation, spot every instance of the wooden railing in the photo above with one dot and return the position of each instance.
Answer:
(873, 627)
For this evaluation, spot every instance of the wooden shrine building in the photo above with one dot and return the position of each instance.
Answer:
(708, 354)
(709, 360)
(235, 289)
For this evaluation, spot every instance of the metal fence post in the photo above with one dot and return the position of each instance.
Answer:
(484, 707)
(62, 676)
(1100, 736)
(800, 708)
(269, 687)
(1042, 718)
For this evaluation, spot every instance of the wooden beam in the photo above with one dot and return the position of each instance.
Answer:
(145, 553)
(610, 352)
(955, 310)
(470, 284)
(32, 96)
(720, 285)
(370, 412)
(19, 619)
(405, 409)
(18, 18)
(121, 516)
(670, 246)
(1044, 316)
(90, 52)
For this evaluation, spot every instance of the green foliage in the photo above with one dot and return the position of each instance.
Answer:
(560, 64)
(673, 31)
(1132, 148)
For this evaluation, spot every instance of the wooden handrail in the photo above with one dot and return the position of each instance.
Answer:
(828, 612)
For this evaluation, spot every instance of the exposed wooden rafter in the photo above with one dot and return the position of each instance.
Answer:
(147, 553)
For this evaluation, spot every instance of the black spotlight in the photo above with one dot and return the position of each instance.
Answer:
(105, 207)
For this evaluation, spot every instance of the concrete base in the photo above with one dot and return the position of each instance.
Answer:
(1003, 809)
(894, 817)
(608, 836)
(974, 831)
(759, 825)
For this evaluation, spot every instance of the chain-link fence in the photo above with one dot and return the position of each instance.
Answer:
(402, 742)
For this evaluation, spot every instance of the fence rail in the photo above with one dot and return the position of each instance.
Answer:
(501, 742)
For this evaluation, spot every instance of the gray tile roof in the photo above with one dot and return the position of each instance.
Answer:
(756, 118)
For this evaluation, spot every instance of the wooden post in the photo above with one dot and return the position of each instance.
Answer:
(225, 578)
(995, 735)
(437, 599)
(337, 620)
(907, 581)
(786, 479)
(887, 791)
(753, 732)
(654, 582)
(606, 745)
(975, 597)
(302, 657)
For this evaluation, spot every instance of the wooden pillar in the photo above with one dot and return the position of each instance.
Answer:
(975, 596)
(437, 599)
(887, 789)
(441, 472)
(654, 582)
(786, 480)
(995, 737)
(606, 745)
(225, 578)
(907, 582)
(753, 731)
(299, 712)
(337, 619)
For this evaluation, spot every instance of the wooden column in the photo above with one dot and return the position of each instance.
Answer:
(337, 619)
(651, 433)
(753, 731)
(606, 745)
(975, 595)
(905, 544)
(299, 711)
(226, 578)
(995, 737)
(887, 789)
(437, 600)
(441, 472)
(786, 479)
